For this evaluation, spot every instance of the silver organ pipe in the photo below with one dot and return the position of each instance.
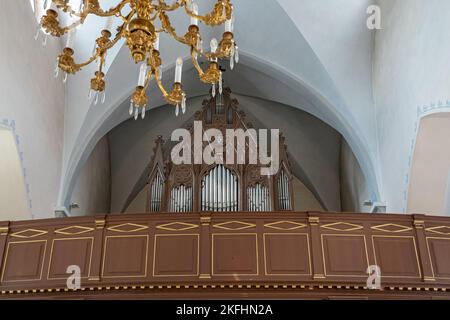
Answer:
(156, 193)
(219, 190)
(284, 196)
(258, 198)
(181, 199)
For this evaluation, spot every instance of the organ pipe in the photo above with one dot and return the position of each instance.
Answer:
(156, 193)
(219, 190)
(257, 198)
(284, 196)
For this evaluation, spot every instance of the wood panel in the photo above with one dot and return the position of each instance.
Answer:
(439, 249)
(397, 256)
(125, 256)
(176, 255)
(235, 254)
(24, 261)
(287, 254)
(67, 252)
(345, 255)
(236, 251)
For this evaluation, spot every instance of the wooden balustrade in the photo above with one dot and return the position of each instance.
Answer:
(269, 255)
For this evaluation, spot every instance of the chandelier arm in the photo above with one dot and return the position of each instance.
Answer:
(110, 12)
(122, 32)
(65, 7)
(160, 85)
(71, 26)
(89, 61)
(195, 62)
(215, 17)
(163, 6)
(167, 27)
(207, 55)
(100, 53)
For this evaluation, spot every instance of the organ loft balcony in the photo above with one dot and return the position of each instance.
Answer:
(225, 231)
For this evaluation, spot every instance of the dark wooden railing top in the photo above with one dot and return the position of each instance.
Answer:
(244, 251)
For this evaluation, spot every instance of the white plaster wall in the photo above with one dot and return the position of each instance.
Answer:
(354, 190)
(337, 33)
(304, 199)
(411, 74)
(13, 195)
(32, 102)
(92, 190)
(138, 205)
(430, 166)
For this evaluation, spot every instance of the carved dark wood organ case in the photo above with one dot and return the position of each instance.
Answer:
(218, 187)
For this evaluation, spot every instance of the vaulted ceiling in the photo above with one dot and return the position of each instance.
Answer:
(287, 57)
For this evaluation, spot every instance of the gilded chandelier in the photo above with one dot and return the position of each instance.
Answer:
(142, 21)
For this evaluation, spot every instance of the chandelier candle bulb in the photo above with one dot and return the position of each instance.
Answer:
(142, 74)
(229, 25)
(81, 7)
(178, 70)
(71, 38)
(156, 46)
(109, 23)
(214, 45)
(194, 21)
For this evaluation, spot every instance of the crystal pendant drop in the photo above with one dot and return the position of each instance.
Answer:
(130, 111)
(232, 62)
(236, 54)
(143, 113)
(90, 94)
(65, 77)
(103, 96)
(183, 105)
(213, 91)
(96, 98)
(220, 84)
(38, 31)
(44, 41)
(136, 113)
(177, 110)
(56, 71)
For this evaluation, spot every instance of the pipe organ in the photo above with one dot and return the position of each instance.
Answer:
(222, 187)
